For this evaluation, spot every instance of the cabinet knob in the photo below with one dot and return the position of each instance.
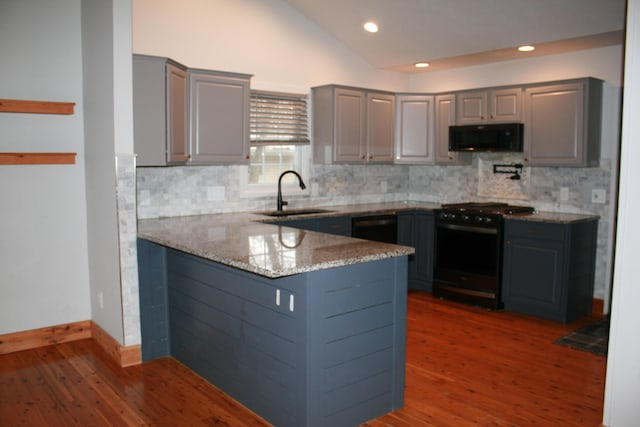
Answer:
(481, 117)
(363, 157)
(247, 157)
(370, 157)
(491, 116)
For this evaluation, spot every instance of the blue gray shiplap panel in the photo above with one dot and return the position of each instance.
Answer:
(337, 359)
(154, 316)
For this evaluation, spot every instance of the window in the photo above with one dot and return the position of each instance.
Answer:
(279, 133)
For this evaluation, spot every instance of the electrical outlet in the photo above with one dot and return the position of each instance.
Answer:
(598, 195)
(383, 186)
(564, 194)
(101, 299)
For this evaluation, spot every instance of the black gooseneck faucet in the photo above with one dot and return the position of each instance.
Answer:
(282, 203)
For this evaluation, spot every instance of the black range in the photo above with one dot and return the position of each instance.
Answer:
(468, 251)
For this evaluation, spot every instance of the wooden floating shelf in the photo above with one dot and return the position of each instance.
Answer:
(35, 107)
(37, 158)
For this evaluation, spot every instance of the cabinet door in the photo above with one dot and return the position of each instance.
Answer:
(414, 129)
(472, 108)
(553, 125)
(219, 118)
(406, 237)
(159, 111)
(350, 126)
(505, 105)
(380, 126)
(533, 282)
(340, 225)
(445, 115)
(177, 130)
(424, 240)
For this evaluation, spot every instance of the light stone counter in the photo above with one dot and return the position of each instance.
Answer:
(247, 241)
(238, 240)
(553, 217)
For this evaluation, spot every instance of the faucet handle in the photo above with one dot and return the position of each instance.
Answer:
(285, 203)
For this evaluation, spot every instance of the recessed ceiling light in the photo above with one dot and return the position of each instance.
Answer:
(422, 64)
(526, 48)
(371, 27)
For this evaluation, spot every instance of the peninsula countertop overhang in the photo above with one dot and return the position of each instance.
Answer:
(250, 242)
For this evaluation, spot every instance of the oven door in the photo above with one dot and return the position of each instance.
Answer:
(468, 257)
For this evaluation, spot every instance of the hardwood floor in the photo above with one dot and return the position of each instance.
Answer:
(465, 366)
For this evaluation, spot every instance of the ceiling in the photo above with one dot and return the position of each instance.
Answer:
(460, 33)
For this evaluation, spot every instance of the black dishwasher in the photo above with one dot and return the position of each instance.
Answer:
(381, 228)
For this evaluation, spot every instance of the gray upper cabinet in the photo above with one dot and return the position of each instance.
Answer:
(562, 123)
(445, 116)
(352, 125)
(159, 111)
(490, 106)
(380, 127)
(219, 117)
(414, 129)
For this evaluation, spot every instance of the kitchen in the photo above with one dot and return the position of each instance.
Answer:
(295, 38)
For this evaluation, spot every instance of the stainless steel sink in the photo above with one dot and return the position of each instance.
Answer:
(292, 212)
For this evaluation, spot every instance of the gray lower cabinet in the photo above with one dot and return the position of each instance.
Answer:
(219, 117)
(338, 225)
(415, 229)
(562, 123)
(352, 125)
(159, 111)
(324, 348)
(548, 268)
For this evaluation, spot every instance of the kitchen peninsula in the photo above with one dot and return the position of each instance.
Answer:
(302, 327)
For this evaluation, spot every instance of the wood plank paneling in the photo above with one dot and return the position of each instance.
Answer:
(36, 338)
(41, 337)
(466, 366)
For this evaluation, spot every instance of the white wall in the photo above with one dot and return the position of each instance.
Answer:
(267, 38)
(621, 407)
(43, 241)
(100, 130)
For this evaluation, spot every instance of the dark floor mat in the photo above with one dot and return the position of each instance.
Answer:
(593, 338)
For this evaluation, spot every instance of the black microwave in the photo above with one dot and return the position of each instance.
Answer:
(493, 137)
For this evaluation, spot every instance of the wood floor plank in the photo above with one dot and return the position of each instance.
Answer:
(465, 366)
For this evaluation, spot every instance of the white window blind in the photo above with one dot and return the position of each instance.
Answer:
(278, 118)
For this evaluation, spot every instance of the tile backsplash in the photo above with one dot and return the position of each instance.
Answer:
(192, 190)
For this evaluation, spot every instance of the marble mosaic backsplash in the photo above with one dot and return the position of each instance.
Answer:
(192, 190)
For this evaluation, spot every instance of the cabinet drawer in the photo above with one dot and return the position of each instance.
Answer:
(533, 229)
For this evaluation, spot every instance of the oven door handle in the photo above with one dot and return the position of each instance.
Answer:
(470, 228)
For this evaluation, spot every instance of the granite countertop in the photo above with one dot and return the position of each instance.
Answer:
(245, 241)
(249, 242)
(554, 217)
